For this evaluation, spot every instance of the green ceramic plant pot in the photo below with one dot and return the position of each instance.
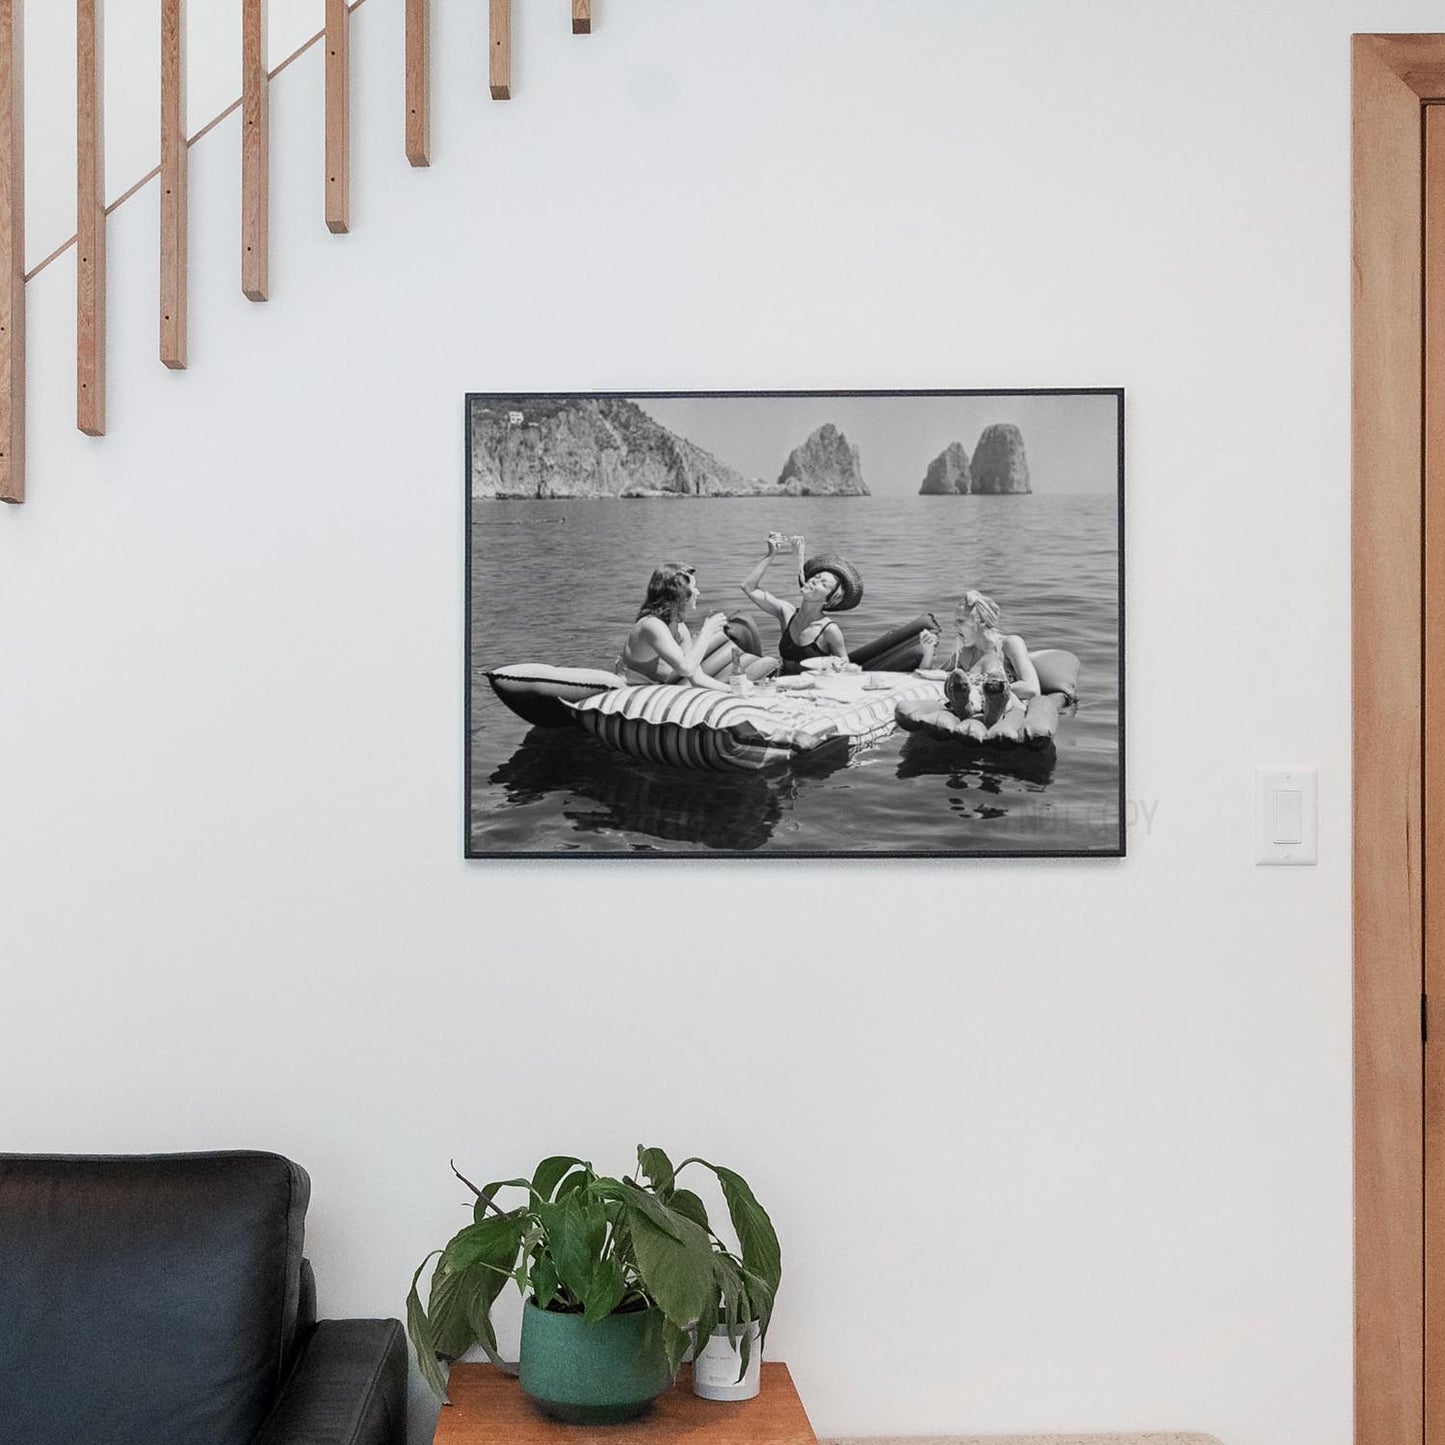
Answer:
(592, 1374)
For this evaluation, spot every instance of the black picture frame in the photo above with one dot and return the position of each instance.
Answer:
(1116, 847)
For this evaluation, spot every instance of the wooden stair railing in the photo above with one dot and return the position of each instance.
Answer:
(91, 209)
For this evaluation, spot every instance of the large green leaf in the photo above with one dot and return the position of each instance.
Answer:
(657, 1169)
(636, 1199)
(687, 1204)
(480, 1299)
(674, 1343)
(568, 1243)
(605, 1289)
(447, 1310)
(544, 1282)
(577, 1179)
(494, 1240)
(550, 1173)
(419, 1328)
(487, 1194)
(675, 1267)
(760, 1249)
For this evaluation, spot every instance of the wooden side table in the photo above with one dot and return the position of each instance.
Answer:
(489, 1408)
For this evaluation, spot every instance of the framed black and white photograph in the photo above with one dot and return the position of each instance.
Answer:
(838, 624)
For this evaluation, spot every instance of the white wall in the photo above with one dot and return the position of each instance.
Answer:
(1082, 1163)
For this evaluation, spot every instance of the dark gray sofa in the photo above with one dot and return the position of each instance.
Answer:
(164, 1300)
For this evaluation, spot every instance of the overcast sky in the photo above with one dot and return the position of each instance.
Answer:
(1071, 442)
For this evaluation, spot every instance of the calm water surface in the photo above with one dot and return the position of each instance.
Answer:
(561, 581)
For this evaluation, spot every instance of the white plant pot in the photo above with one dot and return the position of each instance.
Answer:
(715, 1369)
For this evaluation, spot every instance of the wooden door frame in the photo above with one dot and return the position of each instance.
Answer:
(1392, 77)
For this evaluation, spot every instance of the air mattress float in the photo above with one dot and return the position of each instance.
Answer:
(896, 651)
(693, 727)
(1032, 726)
(536, 691)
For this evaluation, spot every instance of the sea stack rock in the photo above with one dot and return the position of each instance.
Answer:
(1000, 467)
(948, 474)
(580, 446)
(826, 465)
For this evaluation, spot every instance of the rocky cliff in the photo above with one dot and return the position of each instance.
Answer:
(582, 446)
(948, 474)
(1000, 467)
(826, 465)
(603, 446)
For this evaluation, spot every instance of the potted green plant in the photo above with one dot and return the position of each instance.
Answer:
(614, 1274)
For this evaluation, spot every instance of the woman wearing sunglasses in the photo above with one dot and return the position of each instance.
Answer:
(660, 647)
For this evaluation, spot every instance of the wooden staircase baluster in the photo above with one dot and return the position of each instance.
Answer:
(12, 252)
(90, 219)
(418, 82)
(174, 226)
(500, 50)
(255, 154)
(582, 17)
(338, 116)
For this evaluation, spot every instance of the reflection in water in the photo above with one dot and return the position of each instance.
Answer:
(734, 811)
(987, 769)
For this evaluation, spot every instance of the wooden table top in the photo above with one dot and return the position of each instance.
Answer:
(489, 1408)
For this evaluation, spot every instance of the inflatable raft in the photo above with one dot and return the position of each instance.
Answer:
(779, 722)
(694, 727)
(1032, 725)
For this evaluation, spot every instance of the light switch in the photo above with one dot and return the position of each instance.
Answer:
(1289, 817)
(1286, 815)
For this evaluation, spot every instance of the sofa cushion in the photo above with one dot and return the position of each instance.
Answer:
(146, 1299)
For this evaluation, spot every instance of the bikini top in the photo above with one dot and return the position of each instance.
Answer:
(956, 661)
(652, 669)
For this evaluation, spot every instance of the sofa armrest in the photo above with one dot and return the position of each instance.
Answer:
(348, 1388)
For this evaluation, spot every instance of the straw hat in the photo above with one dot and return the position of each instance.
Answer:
(849, 582)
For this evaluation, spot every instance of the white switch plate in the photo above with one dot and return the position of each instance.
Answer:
(1286, 816)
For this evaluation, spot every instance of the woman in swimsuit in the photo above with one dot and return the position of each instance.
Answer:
(981, 651)
(660, 648)
(807, 633)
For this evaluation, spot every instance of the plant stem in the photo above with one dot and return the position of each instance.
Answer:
(485, 1198)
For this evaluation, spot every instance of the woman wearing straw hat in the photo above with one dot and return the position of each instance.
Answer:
(827, 583)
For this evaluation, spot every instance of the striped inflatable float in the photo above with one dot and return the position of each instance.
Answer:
(693, 727)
